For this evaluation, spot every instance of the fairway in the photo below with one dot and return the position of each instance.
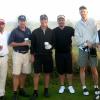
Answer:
(54, 86)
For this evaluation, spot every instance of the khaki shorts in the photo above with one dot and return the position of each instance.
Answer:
(21, 63)
(85, 59)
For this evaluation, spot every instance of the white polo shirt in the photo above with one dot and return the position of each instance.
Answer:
(4, 42)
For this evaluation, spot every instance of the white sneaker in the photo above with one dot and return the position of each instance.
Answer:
(97, 91)
(61, 90)
(85, 92)
(71, 89)
(97, 97)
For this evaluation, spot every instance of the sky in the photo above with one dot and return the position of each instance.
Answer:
(11, 9)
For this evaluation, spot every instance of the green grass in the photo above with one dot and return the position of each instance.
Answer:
(54, 84)
(53, 89)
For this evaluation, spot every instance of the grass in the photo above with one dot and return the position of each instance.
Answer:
(54, 84)
(53, 89)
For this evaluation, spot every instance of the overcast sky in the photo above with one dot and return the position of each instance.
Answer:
(11, 9)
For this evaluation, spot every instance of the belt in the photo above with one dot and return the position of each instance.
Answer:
(2, 56)
(23, 52)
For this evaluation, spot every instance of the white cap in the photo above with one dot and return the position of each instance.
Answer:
(61, 16)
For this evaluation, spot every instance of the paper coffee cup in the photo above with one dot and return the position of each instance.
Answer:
(26, 39)
(46, 43)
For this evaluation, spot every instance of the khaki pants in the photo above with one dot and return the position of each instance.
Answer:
(21, 63)
(3, 74)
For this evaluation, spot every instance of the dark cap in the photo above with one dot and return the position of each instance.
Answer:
(22, 18)
(2, 21)
(44, 17)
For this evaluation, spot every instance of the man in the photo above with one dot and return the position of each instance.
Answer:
(97, 97)
(63, 53)
(41, 51)
(20, 41)
(86, 33)
(3, 58)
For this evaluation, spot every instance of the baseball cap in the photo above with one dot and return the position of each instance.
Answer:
(2, 21)
(60, 16)
(22, 18)
(44, 16)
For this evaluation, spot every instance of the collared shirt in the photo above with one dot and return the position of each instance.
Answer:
(44, 31)
(18, 36)
(63, 39)
(85, 31)
(4, 42)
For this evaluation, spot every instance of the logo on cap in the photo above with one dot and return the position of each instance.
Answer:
(22, 18)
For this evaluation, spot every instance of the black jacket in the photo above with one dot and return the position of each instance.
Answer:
(38, 39)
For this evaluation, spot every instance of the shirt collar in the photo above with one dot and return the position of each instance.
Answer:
(84, 22)
(42, 29)
(62, 29)
(21, 30)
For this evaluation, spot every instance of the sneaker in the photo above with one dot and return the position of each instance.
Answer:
(23, 93)
(97, 97)
(46, 94)
(2, 98)
(85, 92)
(96, 91)
(71, 89)
(61, 90)
(35, 94)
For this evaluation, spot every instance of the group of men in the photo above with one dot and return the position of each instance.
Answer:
(39, 44)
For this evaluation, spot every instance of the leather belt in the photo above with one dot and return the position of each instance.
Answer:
(23, 52)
